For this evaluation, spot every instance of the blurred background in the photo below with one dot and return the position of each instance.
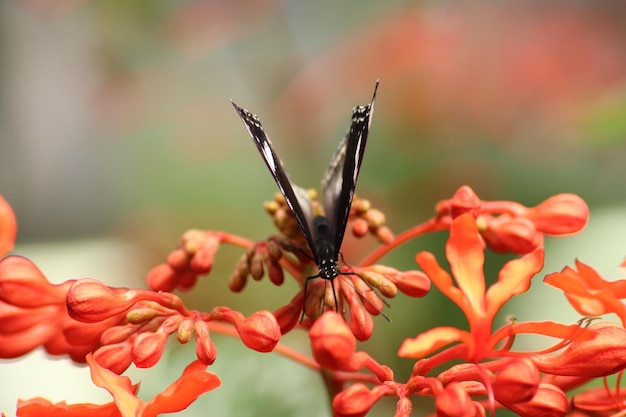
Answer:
(117, 135)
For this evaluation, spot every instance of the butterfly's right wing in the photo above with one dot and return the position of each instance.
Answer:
(297, 198)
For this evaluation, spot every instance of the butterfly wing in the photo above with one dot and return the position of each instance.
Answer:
(297, 198)
(340, 179)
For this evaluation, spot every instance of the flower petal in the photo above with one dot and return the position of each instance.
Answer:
(194, 382)
(466, 256)
(513, 279)
(431, 340)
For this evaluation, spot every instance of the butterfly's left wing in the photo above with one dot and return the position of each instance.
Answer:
(340, 180)
(297, 198)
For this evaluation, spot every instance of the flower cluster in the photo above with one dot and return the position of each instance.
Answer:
(466, 371)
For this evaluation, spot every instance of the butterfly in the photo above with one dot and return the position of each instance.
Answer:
(323, 233)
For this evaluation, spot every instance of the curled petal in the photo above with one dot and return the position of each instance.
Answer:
(194, 382)
(432, 340)
(513, 279)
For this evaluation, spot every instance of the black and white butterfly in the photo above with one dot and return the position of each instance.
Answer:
(323, 234)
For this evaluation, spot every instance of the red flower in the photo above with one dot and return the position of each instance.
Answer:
(8, 227)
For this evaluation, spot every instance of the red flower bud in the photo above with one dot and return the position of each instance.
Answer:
(598, 357)
(464, 201)
(260, 331)
(412, 283)
(205, 349)
(116, 357)
(359, 227)
(560, 214)
(8, 227)
(453, 401)
(162, 278)
(333, 343)
(148, 348)
(517, 382)
(505, 234)
(89, 300)
(289, 315)
(356, 400)
(549, 401)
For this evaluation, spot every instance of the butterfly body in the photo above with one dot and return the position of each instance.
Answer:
(323, 233)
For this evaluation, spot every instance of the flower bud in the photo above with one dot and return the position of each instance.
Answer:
(505, 234)
(275, 272)
(117, 334)
(464, 201)
(89, 300)
(517, 382)
(202, 260)
(116, 357)
(274, 251)
(187, 280)
(256, 267)
(333, 343)
(178, 260)
(288, 316)
(162, 278)
(559, 214)
(185, 331)
(549, 401)
(260, 331)
(359, 227)
(598, 357)
(239, 277)
(205, 349)
(412, 283)
(148, 348)
(8, 227)
(453, 401)
(355, 401)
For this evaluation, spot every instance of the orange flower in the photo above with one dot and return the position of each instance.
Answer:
(588, 292)
(8, 227)
(465, 254)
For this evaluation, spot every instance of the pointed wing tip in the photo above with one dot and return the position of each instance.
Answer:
(375, 90)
